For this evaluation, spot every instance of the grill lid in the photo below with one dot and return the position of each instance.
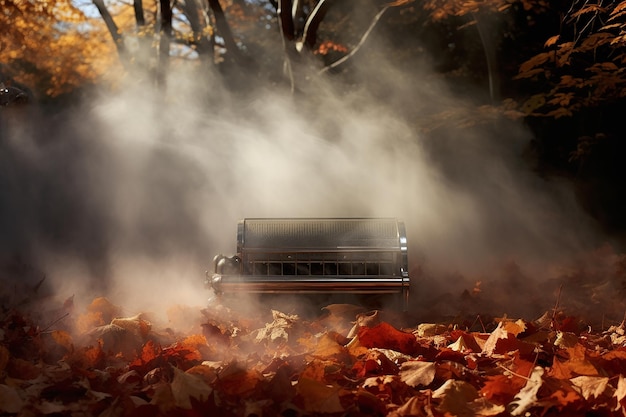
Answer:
(315, 233)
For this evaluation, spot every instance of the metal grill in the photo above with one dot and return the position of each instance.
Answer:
(350, 255)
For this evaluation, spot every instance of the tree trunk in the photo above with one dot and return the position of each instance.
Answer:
(224, 30)
(164, 42)
(113, 30)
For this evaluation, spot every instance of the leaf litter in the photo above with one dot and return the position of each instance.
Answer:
(346, 362)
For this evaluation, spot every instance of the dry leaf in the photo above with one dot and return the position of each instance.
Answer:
(317, 397)
(186, 387)
(527, 397)
(385, 336)
(590, 387)
(63, 338)
(417, 373)
(455, 397)
(10, 400)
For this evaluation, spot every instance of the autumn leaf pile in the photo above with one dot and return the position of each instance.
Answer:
(346, 362)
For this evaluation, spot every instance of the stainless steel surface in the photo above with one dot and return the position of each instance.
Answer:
(341, 255)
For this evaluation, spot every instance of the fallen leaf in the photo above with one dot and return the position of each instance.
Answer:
(10, 400)
(4, 358)
(278, 330)
(414, 406)
(483, 407)
(620, 393)
(454, 397)
(317, 397)
(237, 380)
(500, 389)
(63, 338)
(590, 387)
(417, 373)
(186, 387)
(527, 397)
(430, 329)
(385, 336)
(501, 341)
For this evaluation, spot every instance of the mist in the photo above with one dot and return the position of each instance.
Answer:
(132, 194)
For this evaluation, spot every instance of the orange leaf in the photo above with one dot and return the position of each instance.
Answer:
(551, 41)
(498, 388)
(578, 362)
(386, 336)
(63, 338)
(317, 397)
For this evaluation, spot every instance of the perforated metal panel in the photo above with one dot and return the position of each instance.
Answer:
(318, 234)
(349, 255)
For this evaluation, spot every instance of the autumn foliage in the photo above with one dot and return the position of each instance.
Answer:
(341, 363)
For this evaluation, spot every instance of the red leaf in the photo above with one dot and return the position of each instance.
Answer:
(385, 336)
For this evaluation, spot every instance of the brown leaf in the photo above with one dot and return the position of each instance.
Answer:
(237, 380)
(22, 369)
(590, 387)
(10, 400)
(63, 338)
(4, 358)
(498, 388)
(417, 373)
(186, 387)
(318, 397)
(454, 397)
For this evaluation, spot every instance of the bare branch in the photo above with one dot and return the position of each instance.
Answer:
(113, 29)
(361, 42)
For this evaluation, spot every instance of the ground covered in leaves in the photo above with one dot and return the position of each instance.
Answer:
(345, 362)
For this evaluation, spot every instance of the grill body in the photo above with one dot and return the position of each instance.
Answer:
(316, 255)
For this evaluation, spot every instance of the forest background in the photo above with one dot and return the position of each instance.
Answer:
(451, 71)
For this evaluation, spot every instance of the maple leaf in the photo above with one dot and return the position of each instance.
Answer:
(186, 387)
(620, 394)
(416, 373)
(414, 406)
(235, 379)
(317, 397)
(590, 387)
(454, 397)
(577, 363)
(63, 339)
(328, 347)
(499, 388)
(527, 397)
(501, 341)
(278, 330)
(374, 362)
(465, 342)
(384, 335)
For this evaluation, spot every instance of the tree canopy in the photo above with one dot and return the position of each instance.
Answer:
(557, 65)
